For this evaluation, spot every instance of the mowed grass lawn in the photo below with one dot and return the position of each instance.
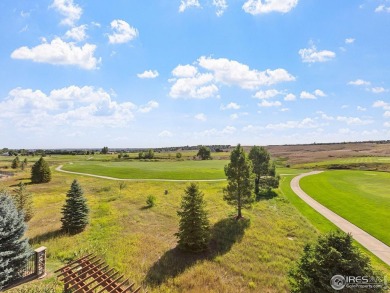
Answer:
(361, 197)
(347, 161)
(180, 170)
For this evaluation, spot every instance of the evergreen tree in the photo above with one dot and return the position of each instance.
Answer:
(14, 251)
(15, 163)
(264, 170)
(40, 172)
(75, 210)
(333, 254)
(104, 150)
(240, 180)
(23, 201)
(194, 233)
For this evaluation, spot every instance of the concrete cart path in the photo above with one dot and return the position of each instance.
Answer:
(377, 247)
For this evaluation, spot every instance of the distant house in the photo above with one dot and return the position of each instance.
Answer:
(6, 154)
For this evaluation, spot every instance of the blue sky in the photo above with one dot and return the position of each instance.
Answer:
(127, 73)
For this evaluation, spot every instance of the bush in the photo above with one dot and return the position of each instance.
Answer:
(151, 201)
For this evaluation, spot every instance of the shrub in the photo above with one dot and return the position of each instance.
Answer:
(151, 201)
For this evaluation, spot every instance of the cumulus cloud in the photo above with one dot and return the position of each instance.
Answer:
(231, 72)
(197, 87)
(359, 82)
(77, 33)
(75, 106)
(148, 107)
(231, 106)
(266, 6)
(200, 117)
(266, 94)
(185, 71)
(122, 32)
(187, 4)
(305, 123)
(58, 52)
(353, 120)
(349, 40)
(312, 96)
(221, 6)
(165, 133)
(265, 103)
(360, 108)
(378, 90)
(69, 10)
(381, 104)
(312, 55)
(228, 130)
(290, 97)
(386, 114)
(148, 74)
(382, 8)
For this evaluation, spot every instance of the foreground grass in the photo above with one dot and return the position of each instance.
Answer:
(179, 170)
(253, 255)
(361, 197)
(322, 224)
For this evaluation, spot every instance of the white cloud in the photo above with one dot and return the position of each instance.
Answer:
(165, 133)
(344, 106)
(198, 87)
(266, 94)
(72, 12)
(307, 95)
(386, 124)
(231, 106)
(265, 103)
(185, 71)
(148, 74)
(148, 107)
(378, 90)
(228, 130)
(284, 109)
(188, 3)
(381, 104)
(311, 55)
(75, 106)
(231, 72)
(77, 33)
(305, 123)
(326, 117)
(290, 97)
(382, 8)
(349, 40)
(359, 108)
(359, 82)
(266, 6)
(312, 96)
(344, 131)
(319, 93)
(386, 114)
(234, 116)
(122, 32)
(353, 120)
(201, 117)
(221, 6)
(59, 52)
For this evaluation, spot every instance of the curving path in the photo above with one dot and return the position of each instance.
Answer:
(59, 168)
(377, 247)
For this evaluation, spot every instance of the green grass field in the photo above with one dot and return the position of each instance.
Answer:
(361, 197)
(179, 170)
(348, 161)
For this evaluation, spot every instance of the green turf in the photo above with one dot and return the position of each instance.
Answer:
(361, 197)
(179, 170)
(347, 161)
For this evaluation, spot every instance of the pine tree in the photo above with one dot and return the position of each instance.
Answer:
(14, 251)
(15, 163)
(333, 254)
(194, 233)
(40, 172)
(23, 201)
(75, 210)
(240, 180)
